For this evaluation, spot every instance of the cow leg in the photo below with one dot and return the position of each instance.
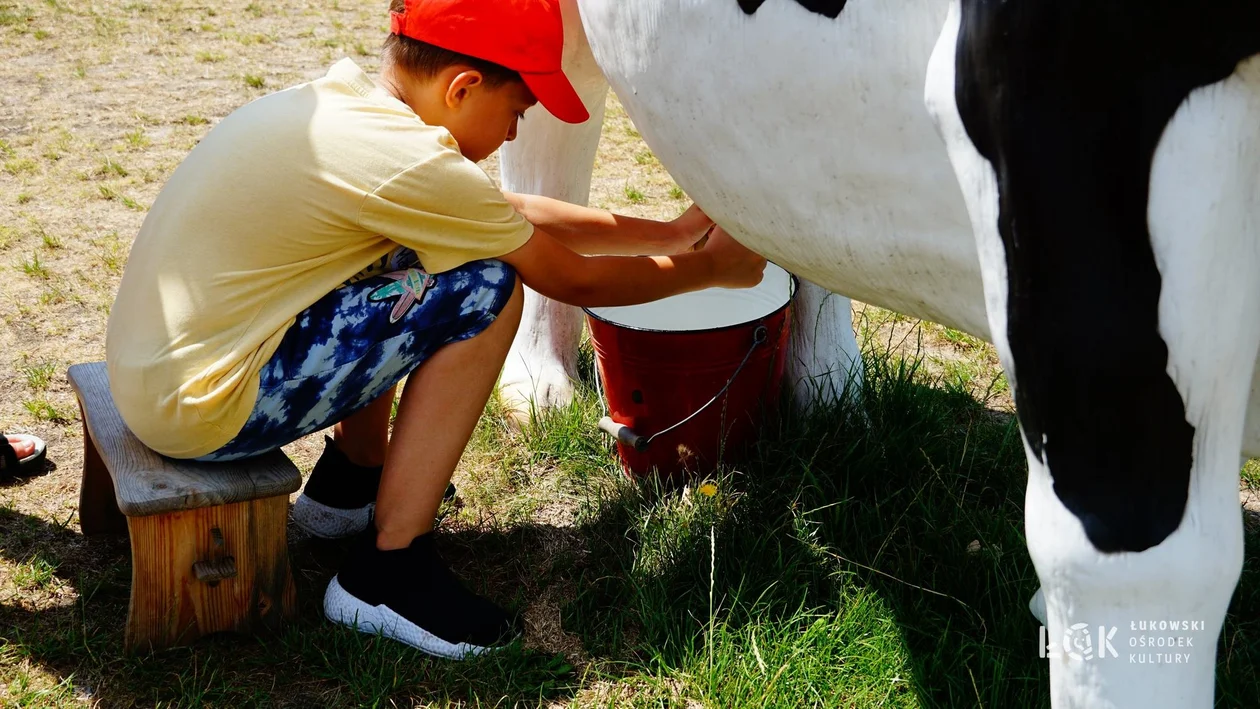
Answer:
(1109, 154)
(554, 159)
(824, 363)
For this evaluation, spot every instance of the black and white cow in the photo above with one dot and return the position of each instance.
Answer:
(1106, 238)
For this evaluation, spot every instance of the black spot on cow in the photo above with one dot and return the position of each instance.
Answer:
(1067, 99)
(830, 8)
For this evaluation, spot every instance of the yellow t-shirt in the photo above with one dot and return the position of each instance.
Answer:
(283, 201)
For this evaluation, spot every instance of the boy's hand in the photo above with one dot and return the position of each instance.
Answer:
(687, 230)
(734, 266)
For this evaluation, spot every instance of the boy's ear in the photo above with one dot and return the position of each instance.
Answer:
(461, 86)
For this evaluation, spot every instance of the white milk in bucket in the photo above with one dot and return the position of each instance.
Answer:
(707, 309)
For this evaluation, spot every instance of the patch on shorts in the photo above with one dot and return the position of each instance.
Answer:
(409, 287)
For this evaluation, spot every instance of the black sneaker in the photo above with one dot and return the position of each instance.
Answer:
(410, 596)
(339, 496)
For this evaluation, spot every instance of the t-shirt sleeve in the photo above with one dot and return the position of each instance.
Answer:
(448, 211)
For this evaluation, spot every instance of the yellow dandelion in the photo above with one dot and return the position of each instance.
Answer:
(707, 489)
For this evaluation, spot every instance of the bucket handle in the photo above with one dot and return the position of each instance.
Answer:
(628, 437)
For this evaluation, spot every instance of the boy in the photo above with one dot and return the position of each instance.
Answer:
(324, 242)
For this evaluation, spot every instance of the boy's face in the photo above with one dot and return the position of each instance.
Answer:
(481, 117)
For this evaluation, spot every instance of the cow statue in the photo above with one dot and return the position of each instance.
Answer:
(1077, 181)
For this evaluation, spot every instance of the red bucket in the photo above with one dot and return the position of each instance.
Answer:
(691, 379)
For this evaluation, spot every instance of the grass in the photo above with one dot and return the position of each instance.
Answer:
(136, 139)
(113, 195)
(35, 572)
(14, 16)
(634, 195)
(831, 569)
(111, 167)
(809, 578)
(112, 253)
(43, 410)
(254, 81)
(39, 376)
(35, 268)
(48, 239)
(20, 166)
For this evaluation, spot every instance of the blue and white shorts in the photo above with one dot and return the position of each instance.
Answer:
(351, 346)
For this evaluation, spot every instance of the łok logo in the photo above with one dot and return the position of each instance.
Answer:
(1078, 644)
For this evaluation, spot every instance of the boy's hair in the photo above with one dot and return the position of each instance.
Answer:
(425, 60)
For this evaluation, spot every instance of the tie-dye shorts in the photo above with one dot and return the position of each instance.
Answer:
(355, 343)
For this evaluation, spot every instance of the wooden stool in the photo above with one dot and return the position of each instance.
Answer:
(208, 545)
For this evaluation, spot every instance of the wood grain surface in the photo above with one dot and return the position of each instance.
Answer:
(170, 606)
(146, 483)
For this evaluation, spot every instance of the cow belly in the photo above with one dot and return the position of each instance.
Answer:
(806, 137)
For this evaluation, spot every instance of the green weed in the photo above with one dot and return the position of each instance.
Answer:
(20, 166)
(27, 693)
(110, 166)
(112, 253)
(13, 16)
(34, 268)
(107, 26)
(39, 376)
(51, 241)
(136, 139)
(113, 195)
(44, 410)
(35, 572)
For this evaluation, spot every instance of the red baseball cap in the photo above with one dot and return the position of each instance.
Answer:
(526, 36)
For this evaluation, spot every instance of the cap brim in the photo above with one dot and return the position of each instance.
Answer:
(557, 95)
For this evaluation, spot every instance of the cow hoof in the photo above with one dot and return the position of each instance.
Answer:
(1038, 606)
(524, 398)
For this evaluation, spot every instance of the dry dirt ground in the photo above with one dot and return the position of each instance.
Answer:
(99, 102)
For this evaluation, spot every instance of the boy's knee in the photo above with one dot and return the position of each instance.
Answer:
(487, 287)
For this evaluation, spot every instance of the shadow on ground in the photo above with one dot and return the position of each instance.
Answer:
(861, 559)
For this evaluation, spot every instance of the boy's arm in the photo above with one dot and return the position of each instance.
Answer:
(595, 231)
(552, 269)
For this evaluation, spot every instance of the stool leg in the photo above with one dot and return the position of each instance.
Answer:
(98, 507)
(170, 605)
